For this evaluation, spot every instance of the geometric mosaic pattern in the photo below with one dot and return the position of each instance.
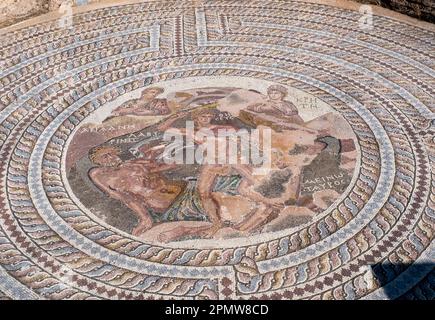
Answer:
(375, 243)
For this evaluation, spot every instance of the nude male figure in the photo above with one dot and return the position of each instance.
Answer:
(209, 173)
(206, 179)
(136, 183)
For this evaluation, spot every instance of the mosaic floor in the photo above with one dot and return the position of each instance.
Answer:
(91, 209)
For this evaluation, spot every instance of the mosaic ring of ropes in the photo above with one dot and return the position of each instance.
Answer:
(407, 201)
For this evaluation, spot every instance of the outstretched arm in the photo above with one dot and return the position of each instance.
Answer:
(166, 124)
(163, 167)
(256, 107)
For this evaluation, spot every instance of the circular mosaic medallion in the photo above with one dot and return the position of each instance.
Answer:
(217, 149)
(299, 157)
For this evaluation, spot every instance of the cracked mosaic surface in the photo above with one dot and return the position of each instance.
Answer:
(348, 210)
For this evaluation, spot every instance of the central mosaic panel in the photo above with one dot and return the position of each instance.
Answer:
(279, 157)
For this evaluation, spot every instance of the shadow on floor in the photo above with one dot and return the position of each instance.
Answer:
(406, 281)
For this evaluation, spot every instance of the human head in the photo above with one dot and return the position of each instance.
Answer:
(106, 156)
(277, 92)
(203, 117)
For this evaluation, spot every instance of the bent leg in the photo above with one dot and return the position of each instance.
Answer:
(208, 201)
